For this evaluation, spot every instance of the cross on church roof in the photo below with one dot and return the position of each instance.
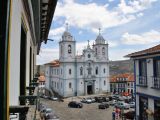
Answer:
(99, 31)
(66, 26)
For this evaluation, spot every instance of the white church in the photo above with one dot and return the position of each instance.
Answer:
(75, 75)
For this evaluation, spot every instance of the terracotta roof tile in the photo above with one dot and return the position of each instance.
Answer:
(54, 63)
(129, 76)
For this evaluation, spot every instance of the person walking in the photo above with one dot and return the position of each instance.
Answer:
(113, 115)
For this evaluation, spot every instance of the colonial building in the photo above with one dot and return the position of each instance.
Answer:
(24, 25)
(74, 75)
(122, 84)
(147, 76)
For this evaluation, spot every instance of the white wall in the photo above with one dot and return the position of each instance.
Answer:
(15, 53)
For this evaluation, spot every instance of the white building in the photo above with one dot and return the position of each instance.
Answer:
(24, 25)
(122, 84)
(84, 74)
(147, 76)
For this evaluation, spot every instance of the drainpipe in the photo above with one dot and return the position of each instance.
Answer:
(76, 85)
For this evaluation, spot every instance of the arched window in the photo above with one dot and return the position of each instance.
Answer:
(104, 82)
(70, 85)
(81, 71)
(89, 68)
(70, 72)
(69, 49)
(103, 51)
(89, 55)
(96, 70)
(96, 51)
(104, 70)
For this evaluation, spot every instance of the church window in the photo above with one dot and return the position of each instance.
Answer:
(96, 70)
(70, 72)
(89, 68)
(89, 55)
(104, 70)
(61, 71)
(104, 82)
(70, 85)
(96, 51)
(103, 51)
(81, 71)
(69, 49)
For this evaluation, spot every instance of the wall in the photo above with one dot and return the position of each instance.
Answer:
(15, 53)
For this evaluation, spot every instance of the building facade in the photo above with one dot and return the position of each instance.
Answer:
(122, 84)
(147, 76)
(24, 25)
(74, 75)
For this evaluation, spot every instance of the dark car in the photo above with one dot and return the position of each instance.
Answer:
(103, 106)
(75, 104)
(129, 115)
(99, 99)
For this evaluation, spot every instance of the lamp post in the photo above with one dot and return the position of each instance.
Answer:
(45, 41)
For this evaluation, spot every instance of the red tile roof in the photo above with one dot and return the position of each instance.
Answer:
(152, 50)
(54, 63)
(129, 76)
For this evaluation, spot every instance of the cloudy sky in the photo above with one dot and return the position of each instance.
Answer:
(127, 26)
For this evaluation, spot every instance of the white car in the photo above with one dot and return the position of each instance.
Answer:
(88, 100)
(132, 104)
(54, 98)
(122, 105)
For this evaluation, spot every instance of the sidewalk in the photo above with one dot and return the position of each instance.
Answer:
(31, 113)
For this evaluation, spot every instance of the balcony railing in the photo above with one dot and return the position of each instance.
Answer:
(156, 82)
(142, 81)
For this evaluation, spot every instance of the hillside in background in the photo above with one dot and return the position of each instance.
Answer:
(122, 66)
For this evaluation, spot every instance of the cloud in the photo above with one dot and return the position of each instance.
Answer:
(110, 0)
(118, 54)
(152, 36)
(80, 32)
(90, 16)
(46, 55)
(139, 14)
(56, 33)
(134, 6)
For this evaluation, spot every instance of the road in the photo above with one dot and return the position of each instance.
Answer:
(88, 112)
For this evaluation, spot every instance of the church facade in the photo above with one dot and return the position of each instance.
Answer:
(75, 75)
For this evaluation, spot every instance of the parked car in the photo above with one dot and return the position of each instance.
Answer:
(113, 102)
(83, 100)
(99, 99)
(54, 98)
(75, 104)
(103, 105)
(129, 115)
(45, 96)
(93, 100)
(88, 100)
(51, 116)
(132, 104)
(122, 105)
(41, 106)
(45, 112)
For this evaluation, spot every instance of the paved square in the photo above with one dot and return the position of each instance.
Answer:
(88, 112)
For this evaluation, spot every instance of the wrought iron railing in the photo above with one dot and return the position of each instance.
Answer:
(143, 81)
(156, 82)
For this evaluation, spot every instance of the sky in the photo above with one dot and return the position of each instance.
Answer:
(127, 25)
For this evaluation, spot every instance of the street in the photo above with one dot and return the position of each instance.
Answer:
(88, 112)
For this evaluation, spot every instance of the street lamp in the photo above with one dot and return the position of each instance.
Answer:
(45, 41)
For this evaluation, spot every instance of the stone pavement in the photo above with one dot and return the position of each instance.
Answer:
(31, 113)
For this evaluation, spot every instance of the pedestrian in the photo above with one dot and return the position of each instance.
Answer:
(113, 115)
(117, 114)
